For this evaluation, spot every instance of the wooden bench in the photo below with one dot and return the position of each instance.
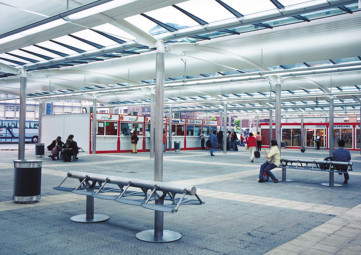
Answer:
(330, 167)
(152, 195)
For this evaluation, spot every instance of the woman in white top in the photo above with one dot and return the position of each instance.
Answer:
(273, 160)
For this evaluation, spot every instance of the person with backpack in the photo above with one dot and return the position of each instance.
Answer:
(134, 140)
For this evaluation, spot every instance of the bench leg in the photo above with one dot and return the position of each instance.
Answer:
(158, 235)
(283, 173)
(331, 181)
(89, 217)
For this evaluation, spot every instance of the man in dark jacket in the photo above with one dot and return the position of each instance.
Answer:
(214, 142)
(344, 155)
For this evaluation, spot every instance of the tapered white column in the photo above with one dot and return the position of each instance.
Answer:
(94, 127)
(330, 129)
(170, 128)
(278, 114)
(225, 128)
(22, 114)
(152, 125)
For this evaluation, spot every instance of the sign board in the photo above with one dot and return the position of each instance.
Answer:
(132, 118)
(107, 117)
(210, 123)
(178, 121)
(194, 122)
(342, 126)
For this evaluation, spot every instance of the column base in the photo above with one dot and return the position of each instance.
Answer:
(81, 218)
(168, 236)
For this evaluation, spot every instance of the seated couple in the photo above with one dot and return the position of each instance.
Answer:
(68, 149)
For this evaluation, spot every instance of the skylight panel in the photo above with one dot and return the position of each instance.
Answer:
(250, 6)
(24, 54)
(54, 46)
(171, 16)
(209, 11)
(114, 31)
(142, 23)
(40, 51)
(94, 37)
(75, 43)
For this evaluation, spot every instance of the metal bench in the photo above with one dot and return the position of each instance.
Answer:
(152, 195)
(331, 167)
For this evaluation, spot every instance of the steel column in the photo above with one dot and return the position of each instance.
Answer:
(257, 123)
(170, 129)
(41, 109)
(278, 114)
(360, 128)
(331, 139)
(158, 145)
(22, 115)
(152, 125)
(94, 127)
(270, 127)
(225, 128)
(302, 133)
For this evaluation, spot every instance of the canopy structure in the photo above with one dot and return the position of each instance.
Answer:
(216, 52)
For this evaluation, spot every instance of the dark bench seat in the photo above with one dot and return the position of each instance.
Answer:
(330, 167)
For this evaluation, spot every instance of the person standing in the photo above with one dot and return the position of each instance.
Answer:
(202, 137)
(259, 141)
(344, 155)
(251, 144)
(214, 142)
(273, 158)
(318, 142)
(164, 141)
(134, 140)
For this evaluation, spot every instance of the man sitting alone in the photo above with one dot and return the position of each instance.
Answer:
(344, 155)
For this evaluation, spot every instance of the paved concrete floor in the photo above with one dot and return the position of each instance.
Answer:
(240, 215)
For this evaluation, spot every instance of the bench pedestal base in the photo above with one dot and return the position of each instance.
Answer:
(334, 185)
(96, 218)
(168, 236)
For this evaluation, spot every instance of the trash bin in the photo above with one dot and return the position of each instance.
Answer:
(27, 181)
(39, 149)
(176, 146)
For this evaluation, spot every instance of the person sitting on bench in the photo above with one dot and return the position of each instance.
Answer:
(55, 147)
(70, 149)
(344, 155)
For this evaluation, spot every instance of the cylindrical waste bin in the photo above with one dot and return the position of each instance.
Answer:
(176, 146)
(27, 181)
(39, 149)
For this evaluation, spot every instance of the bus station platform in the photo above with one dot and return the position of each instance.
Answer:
(240, 215)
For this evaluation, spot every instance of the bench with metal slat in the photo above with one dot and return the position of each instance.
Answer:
(157, 196)
(330, 167)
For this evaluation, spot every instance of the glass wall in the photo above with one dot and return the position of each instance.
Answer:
(178, 130)
(357, 145)
(194, 130)
(208, 129)
(344, 134)
(291, 136)
(127, 128)
(107, 128)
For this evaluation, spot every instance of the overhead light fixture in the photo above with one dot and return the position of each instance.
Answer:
(107, 5)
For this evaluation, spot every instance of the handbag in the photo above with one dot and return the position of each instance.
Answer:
(246, 146)
(270, 160)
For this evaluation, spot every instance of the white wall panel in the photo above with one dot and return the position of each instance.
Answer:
(64, 125)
